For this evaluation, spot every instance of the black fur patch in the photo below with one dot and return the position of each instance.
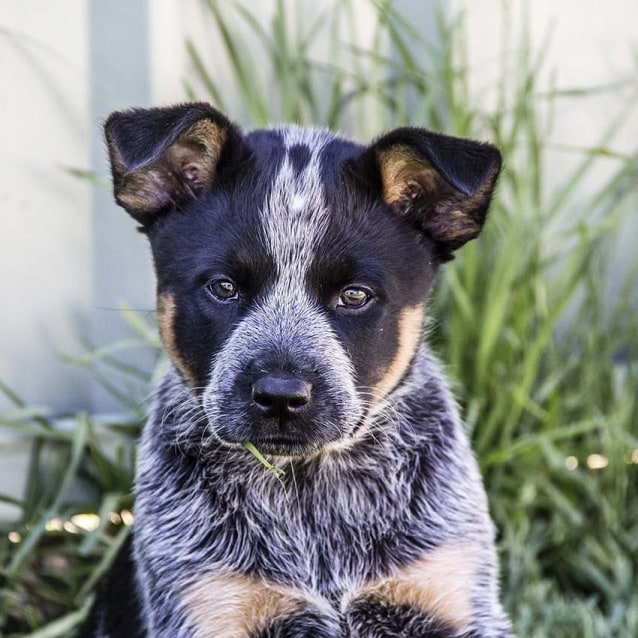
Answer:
(119, 613)
(299, 156)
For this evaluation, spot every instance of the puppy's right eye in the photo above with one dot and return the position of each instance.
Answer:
(223, 289)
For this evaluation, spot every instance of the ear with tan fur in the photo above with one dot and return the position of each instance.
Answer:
(162, 157)
(442, 185)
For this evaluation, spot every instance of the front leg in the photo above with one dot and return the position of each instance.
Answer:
(306, 622)
(232, 605)
(450, 592)
(373, 617)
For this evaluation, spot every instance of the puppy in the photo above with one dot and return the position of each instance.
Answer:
(293, 270)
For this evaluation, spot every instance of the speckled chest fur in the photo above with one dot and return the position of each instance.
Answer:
(293, 269)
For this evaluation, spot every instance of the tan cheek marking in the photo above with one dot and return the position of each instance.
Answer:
(235, 606)
(440, 584)
(410, 331)
(166, 324)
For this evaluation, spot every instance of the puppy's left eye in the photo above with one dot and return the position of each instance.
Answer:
(353, 297)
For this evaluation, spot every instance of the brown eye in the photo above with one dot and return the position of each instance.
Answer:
(223, 290)
(353, 297)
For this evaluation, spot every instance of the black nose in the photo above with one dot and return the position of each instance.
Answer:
(281, 394)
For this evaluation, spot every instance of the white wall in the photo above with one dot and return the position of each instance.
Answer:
(587, 43)
(45, 223)
(68, 257)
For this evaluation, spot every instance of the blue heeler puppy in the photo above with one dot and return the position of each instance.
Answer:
(293, 270)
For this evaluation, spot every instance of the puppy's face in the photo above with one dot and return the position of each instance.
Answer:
(291, 299)
(292, 265)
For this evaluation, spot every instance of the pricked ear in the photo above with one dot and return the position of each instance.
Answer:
(443, 185)
(162, 157)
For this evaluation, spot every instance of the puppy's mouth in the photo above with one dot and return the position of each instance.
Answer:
(285, 446)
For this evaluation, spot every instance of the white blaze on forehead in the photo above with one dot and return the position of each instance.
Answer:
(297, 204)
(294, 215)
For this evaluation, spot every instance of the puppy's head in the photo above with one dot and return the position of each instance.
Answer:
(292, 265)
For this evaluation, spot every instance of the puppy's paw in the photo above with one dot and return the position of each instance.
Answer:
(371, 617)
(307, 623)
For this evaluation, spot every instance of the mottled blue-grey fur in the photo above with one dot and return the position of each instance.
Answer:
(349, 516)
